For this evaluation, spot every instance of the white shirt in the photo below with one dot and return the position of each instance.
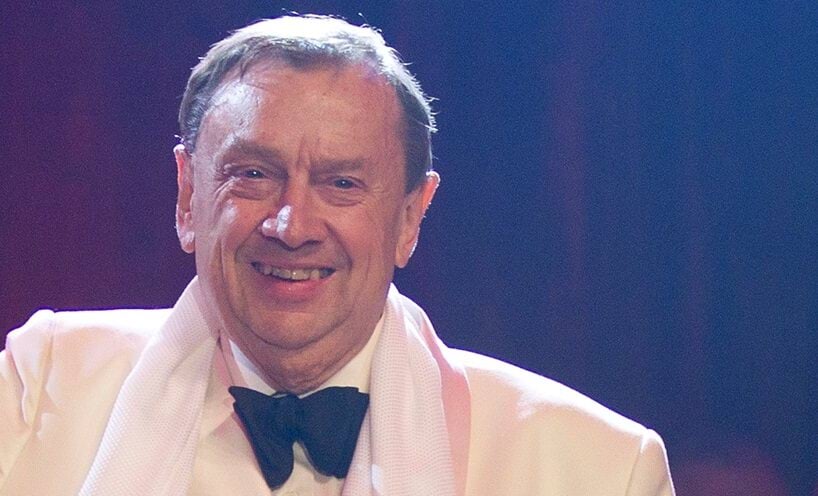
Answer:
(225, 462)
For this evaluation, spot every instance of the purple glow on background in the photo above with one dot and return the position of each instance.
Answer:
(628, 199)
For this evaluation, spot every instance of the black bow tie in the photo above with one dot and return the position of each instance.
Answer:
(326, 423)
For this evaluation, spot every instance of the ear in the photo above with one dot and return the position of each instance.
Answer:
(414, 209)
(184, 217)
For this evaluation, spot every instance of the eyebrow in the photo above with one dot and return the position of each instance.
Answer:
(332, 166)
(244, 148)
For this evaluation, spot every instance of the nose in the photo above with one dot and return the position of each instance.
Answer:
(294, 221)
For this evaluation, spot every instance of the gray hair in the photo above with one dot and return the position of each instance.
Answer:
(306, 41)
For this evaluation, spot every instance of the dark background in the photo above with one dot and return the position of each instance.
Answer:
(628, 202)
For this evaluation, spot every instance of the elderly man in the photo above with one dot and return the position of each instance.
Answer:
(291, 365)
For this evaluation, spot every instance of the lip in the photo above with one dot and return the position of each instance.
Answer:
(281, 290)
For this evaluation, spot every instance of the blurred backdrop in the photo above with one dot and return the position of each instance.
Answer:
(629, 200)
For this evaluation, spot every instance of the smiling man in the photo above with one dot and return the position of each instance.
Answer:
(293, 200)
(290, 364)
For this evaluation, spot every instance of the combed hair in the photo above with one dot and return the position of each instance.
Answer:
(304, 42)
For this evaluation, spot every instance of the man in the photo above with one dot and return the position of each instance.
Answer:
(304, 173)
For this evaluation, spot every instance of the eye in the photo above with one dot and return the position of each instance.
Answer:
(252, 174)
(343, 183)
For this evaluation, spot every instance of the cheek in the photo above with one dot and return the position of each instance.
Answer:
(358, 233)
(229, 224)
(229, 221)
(379, 233)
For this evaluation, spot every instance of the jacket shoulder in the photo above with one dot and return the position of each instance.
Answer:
(530, 396)
(59, 376)
(50, 341)
(128, 328)
(574, 444)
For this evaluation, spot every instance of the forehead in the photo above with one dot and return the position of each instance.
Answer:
(334, 108)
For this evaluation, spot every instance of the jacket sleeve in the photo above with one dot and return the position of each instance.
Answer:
(651, 475)
(22, 367)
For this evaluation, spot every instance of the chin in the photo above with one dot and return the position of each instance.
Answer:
(288, 333)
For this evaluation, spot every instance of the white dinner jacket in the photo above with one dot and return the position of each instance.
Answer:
(61, 372)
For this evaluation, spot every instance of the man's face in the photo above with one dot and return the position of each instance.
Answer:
(294, 204)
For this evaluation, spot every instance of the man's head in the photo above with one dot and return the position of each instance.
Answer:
(304, 42)
(294, 192)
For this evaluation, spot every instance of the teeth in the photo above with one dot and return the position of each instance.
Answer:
(282, 273)
(292, 274)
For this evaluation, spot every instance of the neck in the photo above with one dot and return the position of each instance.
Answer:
(302, 370)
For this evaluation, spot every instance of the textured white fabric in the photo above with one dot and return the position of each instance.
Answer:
(149, 443)
(405, 447)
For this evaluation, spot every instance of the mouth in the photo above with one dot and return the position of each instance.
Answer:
(293, 275)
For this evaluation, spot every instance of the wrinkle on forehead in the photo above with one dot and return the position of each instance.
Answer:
(311, 95)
